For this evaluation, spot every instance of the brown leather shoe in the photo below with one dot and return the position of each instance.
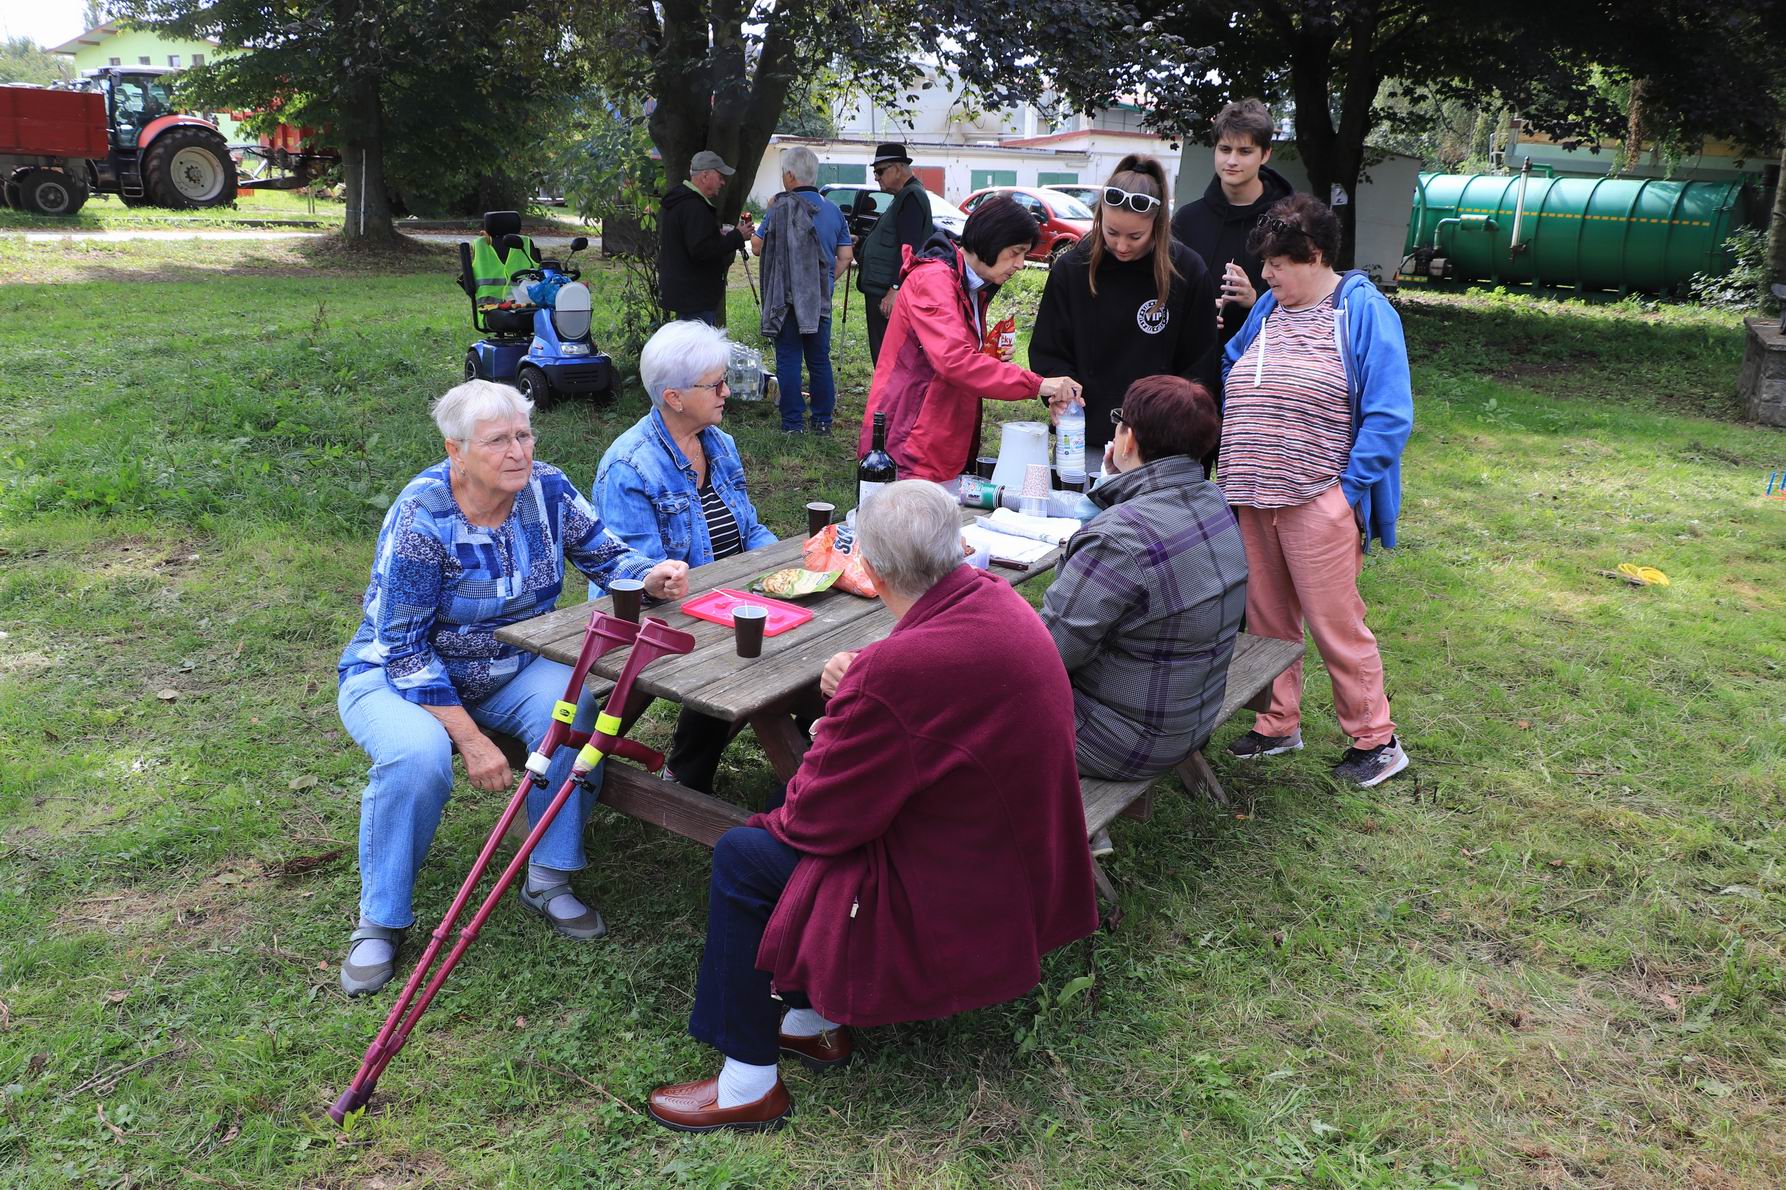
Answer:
(692, 1107)
(826, 1051)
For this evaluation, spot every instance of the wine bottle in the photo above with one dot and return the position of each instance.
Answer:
(877, 469)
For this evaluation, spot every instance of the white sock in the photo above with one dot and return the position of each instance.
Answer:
(563, 906)
(741, 1083)
(806, 1022)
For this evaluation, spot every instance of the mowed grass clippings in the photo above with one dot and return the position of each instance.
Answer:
(1549, 955)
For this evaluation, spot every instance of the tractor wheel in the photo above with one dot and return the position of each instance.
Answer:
(189, 167)
(51, 192)
(532, 383)
(9, 193)
(472, 371)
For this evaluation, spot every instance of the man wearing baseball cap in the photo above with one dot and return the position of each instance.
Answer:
(906, 224)
(694, 253)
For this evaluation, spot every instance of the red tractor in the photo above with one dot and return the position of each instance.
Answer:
(115, 131)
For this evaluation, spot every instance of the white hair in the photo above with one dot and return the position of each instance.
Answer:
(679, 354)
(458, 411)
(910, 532)
(803, 163)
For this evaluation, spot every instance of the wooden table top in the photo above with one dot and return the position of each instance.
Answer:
(713, 679)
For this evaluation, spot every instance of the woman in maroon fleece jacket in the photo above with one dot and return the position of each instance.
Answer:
(927, 853)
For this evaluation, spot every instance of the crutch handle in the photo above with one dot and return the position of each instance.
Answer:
(650, 758)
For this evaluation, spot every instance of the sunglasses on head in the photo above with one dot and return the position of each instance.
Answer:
(1141, 204)
(1116, 416)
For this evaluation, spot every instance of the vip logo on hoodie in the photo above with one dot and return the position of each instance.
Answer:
(1152, 317)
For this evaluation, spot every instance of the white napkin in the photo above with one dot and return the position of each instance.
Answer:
(1052, 529)
(1003, 547)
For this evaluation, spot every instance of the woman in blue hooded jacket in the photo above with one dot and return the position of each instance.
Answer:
(1317, 406)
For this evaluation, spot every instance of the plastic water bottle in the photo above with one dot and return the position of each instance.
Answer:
(1069, 445)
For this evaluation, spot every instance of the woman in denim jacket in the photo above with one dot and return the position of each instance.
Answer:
(673, 487)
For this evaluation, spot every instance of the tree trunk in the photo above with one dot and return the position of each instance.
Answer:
(368, 218)
(1776, 224)
(1631, 152)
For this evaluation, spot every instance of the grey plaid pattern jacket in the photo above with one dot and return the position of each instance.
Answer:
(1145, 610)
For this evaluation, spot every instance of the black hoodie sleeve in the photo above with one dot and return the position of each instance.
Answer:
(1051, 348)
(1197, 353)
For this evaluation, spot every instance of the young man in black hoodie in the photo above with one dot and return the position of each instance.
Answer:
(694, 255)
(1217, 225)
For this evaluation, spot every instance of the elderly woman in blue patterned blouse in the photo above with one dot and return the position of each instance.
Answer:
(474, 543)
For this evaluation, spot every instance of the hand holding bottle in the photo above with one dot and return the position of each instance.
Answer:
(1061, 392)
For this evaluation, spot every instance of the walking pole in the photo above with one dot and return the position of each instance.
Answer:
(843, 335)
(745, 253)
(649, 641)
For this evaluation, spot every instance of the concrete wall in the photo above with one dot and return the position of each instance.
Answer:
(958, 163)
(1385, 200)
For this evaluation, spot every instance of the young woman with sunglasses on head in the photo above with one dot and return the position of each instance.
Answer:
(1128, 301)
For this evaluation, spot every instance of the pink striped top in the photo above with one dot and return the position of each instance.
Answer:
(1286, 413)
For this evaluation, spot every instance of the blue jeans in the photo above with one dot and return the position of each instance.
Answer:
(412, 776)
(790, 345)
(734, 1011)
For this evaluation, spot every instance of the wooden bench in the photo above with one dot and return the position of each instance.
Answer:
(1256, 664)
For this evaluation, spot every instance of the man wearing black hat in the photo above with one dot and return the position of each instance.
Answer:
(693, 254)
(906, 223)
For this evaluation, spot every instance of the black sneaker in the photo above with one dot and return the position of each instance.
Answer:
(1365, 767)
(1252, 745)
(822, 428)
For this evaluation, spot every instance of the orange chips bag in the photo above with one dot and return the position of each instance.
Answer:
(822, 554)
(1001, 338)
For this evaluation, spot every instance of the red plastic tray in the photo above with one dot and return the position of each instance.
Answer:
(716, 608)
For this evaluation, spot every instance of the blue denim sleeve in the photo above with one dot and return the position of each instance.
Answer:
(621, 502)
(751, 529)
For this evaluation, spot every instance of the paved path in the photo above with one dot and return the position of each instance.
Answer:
(227, 234)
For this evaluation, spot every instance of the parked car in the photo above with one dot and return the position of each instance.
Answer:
(865, 204)
(1086, 194)
(1064, 220)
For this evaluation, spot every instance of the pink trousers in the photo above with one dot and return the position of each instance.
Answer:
(1303, 565)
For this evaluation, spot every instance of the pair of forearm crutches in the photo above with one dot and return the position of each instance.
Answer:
(650, 640)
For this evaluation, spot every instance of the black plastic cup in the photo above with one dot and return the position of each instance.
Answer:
(818, 515)
(985, 465)
(747, 623)
(626, 593)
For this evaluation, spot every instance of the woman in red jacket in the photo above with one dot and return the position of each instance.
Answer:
(927, 854)
(934, 367)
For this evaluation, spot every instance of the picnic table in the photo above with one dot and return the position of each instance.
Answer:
(764, 693)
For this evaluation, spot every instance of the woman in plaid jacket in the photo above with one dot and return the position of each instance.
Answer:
(1148, 600)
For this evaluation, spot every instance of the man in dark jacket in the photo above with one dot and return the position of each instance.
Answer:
(1217, 225)
(905, 224)
(928, 852)
(694, 254)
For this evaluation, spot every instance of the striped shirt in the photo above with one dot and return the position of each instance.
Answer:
(1286, 412)
(722, 526)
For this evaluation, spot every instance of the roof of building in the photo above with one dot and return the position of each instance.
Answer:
(99, 33)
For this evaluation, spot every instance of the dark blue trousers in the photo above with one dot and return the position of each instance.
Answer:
(734, 1012)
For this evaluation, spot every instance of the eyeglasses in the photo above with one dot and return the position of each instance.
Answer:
(501, 442)
(1116, 416)
(1141, 204)
(715, 386)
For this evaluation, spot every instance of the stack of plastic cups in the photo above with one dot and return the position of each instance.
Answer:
(1034, 501)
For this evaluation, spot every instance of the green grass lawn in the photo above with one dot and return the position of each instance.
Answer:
(252, 208)
(1550, 955)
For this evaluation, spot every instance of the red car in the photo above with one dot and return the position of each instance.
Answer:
(1062, 218)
